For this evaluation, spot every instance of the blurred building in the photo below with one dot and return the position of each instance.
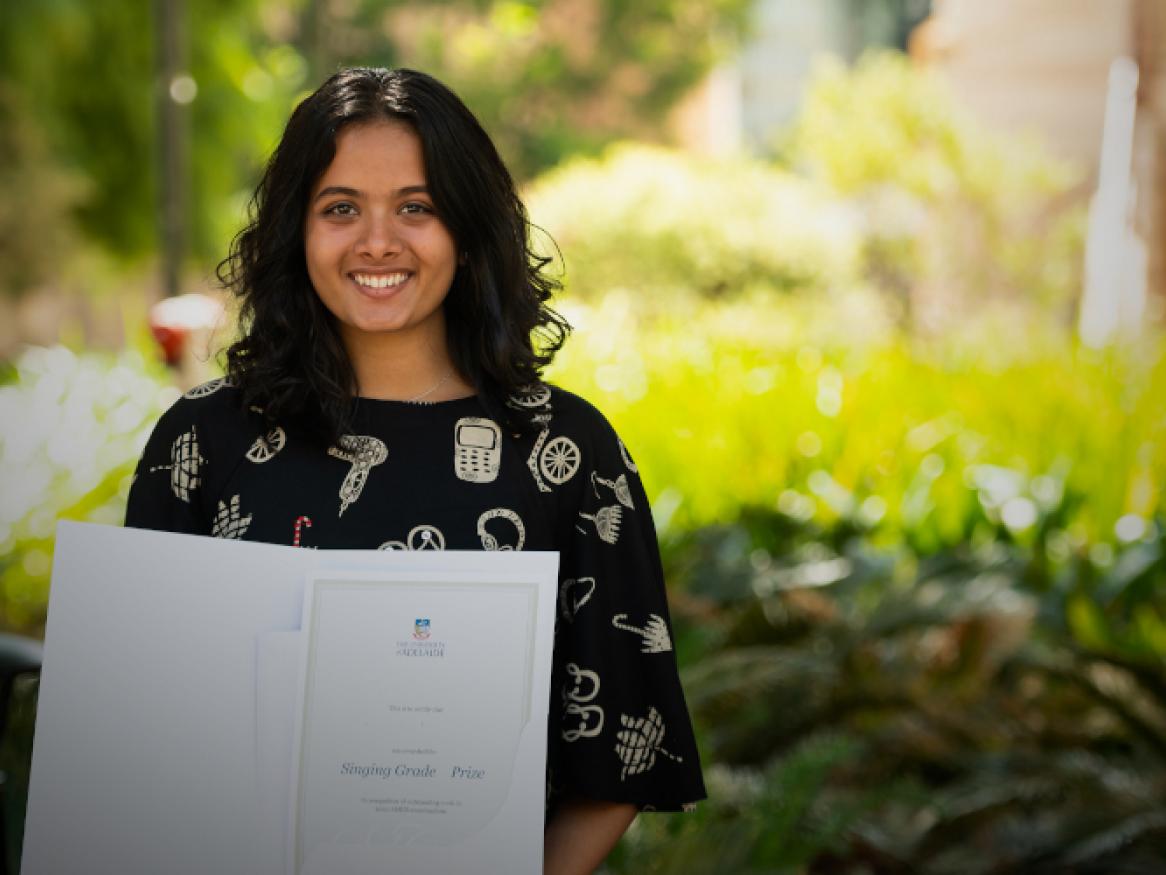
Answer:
(746, 103)
(1045, 65)
(1035, 66)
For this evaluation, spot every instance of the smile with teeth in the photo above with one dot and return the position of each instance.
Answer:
(386, 281)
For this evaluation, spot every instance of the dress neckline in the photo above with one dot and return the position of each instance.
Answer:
(400, 404)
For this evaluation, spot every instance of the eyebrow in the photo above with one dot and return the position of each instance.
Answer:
(352, 192)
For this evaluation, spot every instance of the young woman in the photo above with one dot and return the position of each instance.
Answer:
(386, 394)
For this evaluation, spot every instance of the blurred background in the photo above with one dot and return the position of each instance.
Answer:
(873, 289)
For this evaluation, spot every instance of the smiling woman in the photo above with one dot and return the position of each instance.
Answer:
(382, 260)
(386, 393)
(374, 162)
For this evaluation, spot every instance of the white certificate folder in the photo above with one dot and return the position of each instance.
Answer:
(217, 706)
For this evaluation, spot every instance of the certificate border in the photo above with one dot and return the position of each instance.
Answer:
(320, 584)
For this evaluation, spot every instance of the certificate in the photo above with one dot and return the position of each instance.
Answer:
(422, 725)
(171, 699)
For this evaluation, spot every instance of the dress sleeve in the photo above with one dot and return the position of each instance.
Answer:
(623, 729)
(166, 493)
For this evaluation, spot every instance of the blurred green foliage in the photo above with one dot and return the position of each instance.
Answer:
(826, 410)
(36, 223)
(16, 763)
(73, 426)
(661, 224)
(84, 73)
(81, 73)
(918, 576)
(865, 708)
(882, 183)
(78, 89)
(939, 190)
(552, 79)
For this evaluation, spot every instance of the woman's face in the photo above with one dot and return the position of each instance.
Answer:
(378, 255)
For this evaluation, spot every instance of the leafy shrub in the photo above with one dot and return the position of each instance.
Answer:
(867, 709)
(956, 213)
(775, 820)
(73, 428)
(881, 181)
(656, 222)
(827, 412)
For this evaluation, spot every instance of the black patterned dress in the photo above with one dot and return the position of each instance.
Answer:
(446, 476)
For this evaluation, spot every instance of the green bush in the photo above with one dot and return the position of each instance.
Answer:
(824, 410)
(655, 222)
(863, 708)
(918, 584)
(956, 213)
(882, 181)
(73, 428)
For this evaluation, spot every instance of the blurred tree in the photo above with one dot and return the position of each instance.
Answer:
(81, 73)
(546, 78)
(35, 212)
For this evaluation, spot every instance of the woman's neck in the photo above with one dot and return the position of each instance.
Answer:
(405, 367)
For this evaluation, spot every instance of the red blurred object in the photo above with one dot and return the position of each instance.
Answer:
(183, 328)
(181, 322)
(170, 339)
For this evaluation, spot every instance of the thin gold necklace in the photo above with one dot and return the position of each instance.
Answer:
(420, 399)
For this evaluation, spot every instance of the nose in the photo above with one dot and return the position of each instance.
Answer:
(380, 238)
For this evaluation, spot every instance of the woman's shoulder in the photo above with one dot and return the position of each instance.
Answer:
(213, 412)
(576, 412)
(581, 424)
(581, 419)
(195, 446)
(215, 401)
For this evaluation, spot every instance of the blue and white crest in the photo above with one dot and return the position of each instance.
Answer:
(421, 628)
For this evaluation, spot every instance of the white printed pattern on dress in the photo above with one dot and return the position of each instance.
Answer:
(423, 537)
(266, 446)
(229, 522)
(559, 460)
(362, 452)
(639, 742)
(607, 520)
(619, 486)
(185, 462)
(556, 459)
(654, 633)
(489, 542)
(569, 601)
(207, 388)
(532, 460)
(530, 397)
(575, 703)
(477, 449)
(627, 459)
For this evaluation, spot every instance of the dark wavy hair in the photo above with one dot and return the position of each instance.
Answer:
(290, 360)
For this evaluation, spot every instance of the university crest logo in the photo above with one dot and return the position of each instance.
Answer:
(421, 628)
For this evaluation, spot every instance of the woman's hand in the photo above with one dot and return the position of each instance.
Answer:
(581, 834)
